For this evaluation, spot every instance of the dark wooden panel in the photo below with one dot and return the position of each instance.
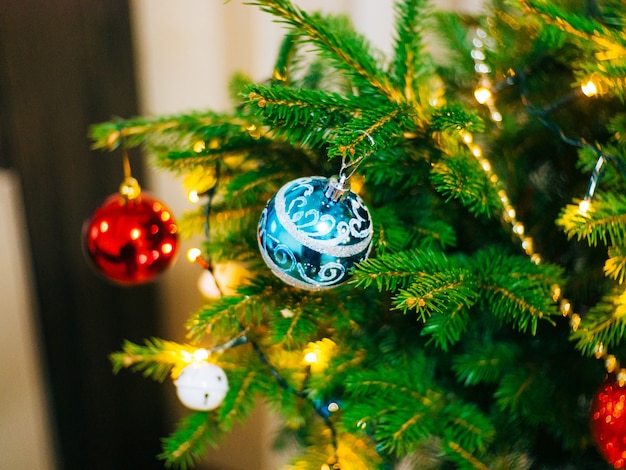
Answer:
(64, 65)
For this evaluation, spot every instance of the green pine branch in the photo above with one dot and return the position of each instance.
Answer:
(299, 115)
(462, 178)
(615, 264)
(154, 359)
(603, 326)
(227, 315)
(604, 223)
(410, 60)
(191, 440)
(332, 36)
(484, 362)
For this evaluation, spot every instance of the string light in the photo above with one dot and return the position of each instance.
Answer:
(194, 255)
(311, 357)
(200, 354)
(589, 89)
(484, 94)
(193, 196)
(584, 207)
(197, 355)
(484, 91)
(594, 86)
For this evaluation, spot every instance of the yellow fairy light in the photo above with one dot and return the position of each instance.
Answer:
(318, 353)
(518, 228)
(589, 89)
(610, 363)
(556, 292)
(199, 146)
(584, 207)
(193, 196)
(596, 85)
(536, 258)
(527, 244)
(477, 151)
(333, 407)
(482, 94)
(193, 254)
(186, 356)
(621, 377)
(468, 138)
(565, 307)
(575, 321)
(485, 164)
(598, 350)
(496, 116)
(311, 357)
(200, 355)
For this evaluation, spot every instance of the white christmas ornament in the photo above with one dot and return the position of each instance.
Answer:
(201, 386)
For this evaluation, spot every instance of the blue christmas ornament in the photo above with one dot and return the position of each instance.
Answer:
(313, 231)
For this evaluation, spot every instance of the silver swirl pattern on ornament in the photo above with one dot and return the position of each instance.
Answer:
(310, 241)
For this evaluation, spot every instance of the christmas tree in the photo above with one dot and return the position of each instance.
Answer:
(437, 278)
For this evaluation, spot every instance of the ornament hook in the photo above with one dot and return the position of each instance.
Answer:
(354, 164)
(337, 188)
(129, 188)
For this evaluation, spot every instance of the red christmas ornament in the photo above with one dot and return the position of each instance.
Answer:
(608, 421)
(131, 240)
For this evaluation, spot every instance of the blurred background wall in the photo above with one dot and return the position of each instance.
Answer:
(63, 66)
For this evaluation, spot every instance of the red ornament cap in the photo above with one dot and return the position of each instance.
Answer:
(608, 421)
(131, 241)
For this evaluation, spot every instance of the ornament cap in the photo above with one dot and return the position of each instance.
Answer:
(130, 188)
(337, 188)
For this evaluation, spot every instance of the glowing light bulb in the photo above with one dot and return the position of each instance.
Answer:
(193, 254)
(598, 350)
(584, 207)
(200, 355)
(482, 94)
(193, 197)
(589, 89)
(556, 292)
(527, 244)
(610, 363)
(310, 358)
(333, 407)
